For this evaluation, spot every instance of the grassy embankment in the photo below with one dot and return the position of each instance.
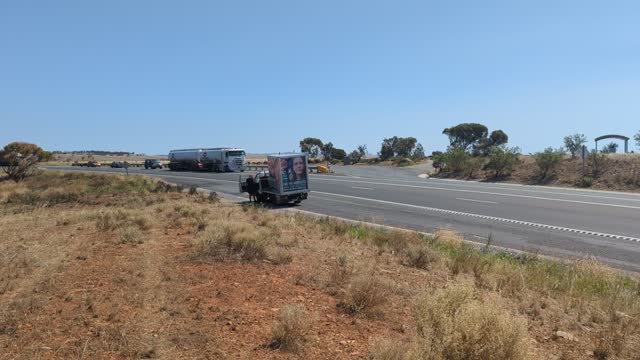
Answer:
(613, 172)
(107, 266)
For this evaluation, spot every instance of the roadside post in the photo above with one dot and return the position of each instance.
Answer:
(584, 155)
(126, 167)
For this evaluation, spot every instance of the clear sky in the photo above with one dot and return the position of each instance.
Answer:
(149, 76)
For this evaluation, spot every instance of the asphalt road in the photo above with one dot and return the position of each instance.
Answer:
(550, 221)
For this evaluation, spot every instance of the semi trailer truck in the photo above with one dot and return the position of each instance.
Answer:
(208, 159)
(285, 181)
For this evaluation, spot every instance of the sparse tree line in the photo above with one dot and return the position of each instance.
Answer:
(393, 148)
(471, 149)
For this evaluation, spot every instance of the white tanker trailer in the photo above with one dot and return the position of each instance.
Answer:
(211, 159)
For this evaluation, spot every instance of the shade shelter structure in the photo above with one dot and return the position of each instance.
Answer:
(618, 137)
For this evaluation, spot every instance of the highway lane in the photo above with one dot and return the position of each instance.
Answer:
(539, 219)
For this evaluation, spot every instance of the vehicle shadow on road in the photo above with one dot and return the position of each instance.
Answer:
(269, 206)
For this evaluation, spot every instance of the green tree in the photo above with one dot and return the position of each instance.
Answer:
(610, 148)
(312, 146)
(498, 137)
(404, 147)
(338, 154)
(503, 160)
(387, 148)
(466, 135)
(574, 143)
(548, 161)
(397, 147)
(327, 151)
(418, 152)
(358, 154)
(20, 159)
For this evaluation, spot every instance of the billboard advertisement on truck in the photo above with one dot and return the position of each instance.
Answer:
(288, 173)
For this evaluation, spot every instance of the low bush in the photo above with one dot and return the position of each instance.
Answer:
(420, 256)
(586, 181)
(502, 160)
(389, 349)
(454, 160)
(118, 219)
(366, 293)
(339, 274)
(453, 324)
(131, 235)
(548, 161)
(291, 329)
(231, 240)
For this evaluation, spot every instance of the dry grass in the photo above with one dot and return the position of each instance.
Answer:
(365, 294)
(453, 324)
(291, 329)
(208, 277)
(389, 349)
(227, 240)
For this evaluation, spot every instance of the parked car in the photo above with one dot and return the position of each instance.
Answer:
(93, 163)
(152, 164)
(117, 164)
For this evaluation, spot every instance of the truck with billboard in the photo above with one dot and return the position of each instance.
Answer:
(285, 181)
(209, 159)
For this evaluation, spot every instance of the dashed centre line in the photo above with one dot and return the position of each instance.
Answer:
(480, 201)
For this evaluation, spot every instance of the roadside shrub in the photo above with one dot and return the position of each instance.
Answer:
(473, 166)
(213, 197)
(401, 162)
(452, 324)
(420, 256)
(281, 257)
(232, 241)
(503, 160)
(598, 163)
(366, 293)
(586, 181)
(454, 160)
(548, 161)
(130, 235)
(291, 329)
(389, 349)
(339, 274)
(110, 220)
(118, 219)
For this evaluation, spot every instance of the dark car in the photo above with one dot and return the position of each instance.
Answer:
(117, 164)
(93, 163)
(152, 164)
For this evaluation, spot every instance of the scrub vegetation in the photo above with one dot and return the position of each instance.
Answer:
(108, 266)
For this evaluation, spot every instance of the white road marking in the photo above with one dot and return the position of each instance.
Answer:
(480, 201)
(194, 178)
(361, 188)
(491, 193)
(520, 187)
(491, 218)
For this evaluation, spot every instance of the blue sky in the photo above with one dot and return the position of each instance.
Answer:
(149, 76)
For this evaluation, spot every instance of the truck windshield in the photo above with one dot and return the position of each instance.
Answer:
(235, 153)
